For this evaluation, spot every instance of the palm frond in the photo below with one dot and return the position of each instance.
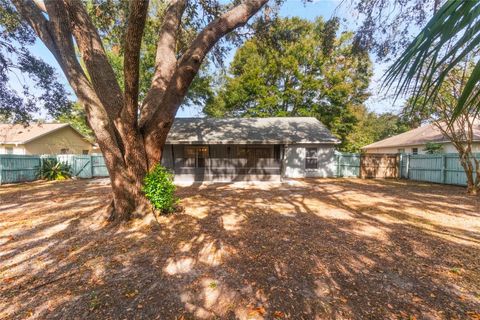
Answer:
(450, 37)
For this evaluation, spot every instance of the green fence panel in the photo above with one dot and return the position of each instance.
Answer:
(18, 168)
(99, 169)
(82, 166)
(438, 168)
(348, 164)
(426, 168)
(404, 164)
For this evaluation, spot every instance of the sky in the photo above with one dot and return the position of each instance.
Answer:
(325, 8)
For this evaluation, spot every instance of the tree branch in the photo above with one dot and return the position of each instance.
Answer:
(165, 60)
(56, 36)
(191, 60)
(33, 15)
(96, 61)
(156, 126)
(131, 66)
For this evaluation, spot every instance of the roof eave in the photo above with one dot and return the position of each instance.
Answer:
(251, 142)
(410, 144)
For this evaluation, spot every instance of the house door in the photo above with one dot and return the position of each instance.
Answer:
(202, 155)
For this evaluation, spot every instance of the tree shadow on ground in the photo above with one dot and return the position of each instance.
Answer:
(313, 249)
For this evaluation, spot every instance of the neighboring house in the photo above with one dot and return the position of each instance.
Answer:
(45, 138)
(414, 141)
(199, 149)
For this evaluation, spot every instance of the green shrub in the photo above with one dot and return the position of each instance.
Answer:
(159, 189)
(433, 148)
(52, 169)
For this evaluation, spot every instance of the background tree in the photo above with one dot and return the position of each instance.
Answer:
(293, 67)
(130, 131)
(77, 118)
(458, 128)
(371, 127)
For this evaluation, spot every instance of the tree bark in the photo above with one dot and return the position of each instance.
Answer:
(131, 137)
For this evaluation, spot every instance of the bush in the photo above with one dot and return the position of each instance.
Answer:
(159, 189)
(52, 169)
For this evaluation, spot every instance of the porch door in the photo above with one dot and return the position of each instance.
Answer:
(250, 153)
(196, 156)
(202, 155)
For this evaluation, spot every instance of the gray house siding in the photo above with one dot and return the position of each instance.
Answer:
(231, 149)
(224, 163)
(295, 159)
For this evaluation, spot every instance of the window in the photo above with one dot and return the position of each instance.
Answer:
(311, 158)
(9, 150)
(414, 150)
(64, 151)
(196, 156)
(84, 151)
(401, 150)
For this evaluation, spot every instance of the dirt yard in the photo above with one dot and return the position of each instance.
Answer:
(314, 249)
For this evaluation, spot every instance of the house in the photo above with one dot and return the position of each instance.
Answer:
(415, 141)
(45, 138)
(231, 149)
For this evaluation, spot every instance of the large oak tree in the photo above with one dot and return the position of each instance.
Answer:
(130, 133)
(131, 118)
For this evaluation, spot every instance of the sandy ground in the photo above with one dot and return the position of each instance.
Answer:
(312, 249)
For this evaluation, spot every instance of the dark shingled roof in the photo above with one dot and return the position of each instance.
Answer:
(291, 130)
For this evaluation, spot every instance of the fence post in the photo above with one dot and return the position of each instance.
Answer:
(337, 156)
(443, 170)
(400, 166)
(407, 167)
(1, 169)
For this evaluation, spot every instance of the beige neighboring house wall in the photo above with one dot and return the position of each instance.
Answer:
(48, 138)
(417, 139)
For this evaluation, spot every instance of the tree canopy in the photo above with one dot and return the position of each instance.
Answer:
(296, 68)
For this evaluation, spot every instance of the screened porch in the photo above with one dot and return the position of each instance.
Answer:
(227, 162)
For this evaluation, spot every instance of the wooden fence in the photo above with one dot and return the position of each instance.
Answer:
(379, 166)
(20, 168)
(438, 168)
(347, 164)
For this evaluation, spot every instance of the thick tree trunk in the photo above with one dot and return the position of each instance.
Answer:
(128, 200)
(131, 145)
(126, 178)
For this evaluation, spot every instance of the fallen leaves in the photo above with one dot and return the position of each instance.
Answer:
(257, 311)
(290, 257)
(131, 294)
(474, 315)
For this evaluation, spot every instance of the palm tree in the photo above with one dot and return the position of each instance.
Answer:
(450, 37)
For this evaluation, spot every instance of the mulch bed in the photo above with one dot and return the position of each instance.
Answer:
(309, 249)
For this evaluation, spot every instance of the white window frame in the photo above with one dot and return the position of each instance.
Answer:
(309, 158)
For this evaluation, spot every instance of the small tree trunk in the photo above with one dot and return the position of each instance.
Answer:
(465, 161)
